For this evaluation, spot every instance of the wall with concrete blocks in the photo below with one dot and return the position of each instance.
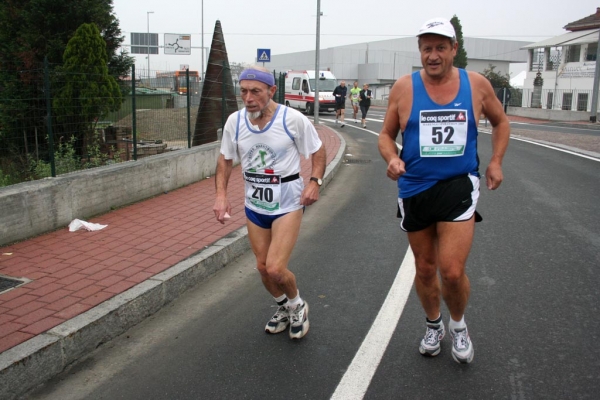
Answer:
(33, 208)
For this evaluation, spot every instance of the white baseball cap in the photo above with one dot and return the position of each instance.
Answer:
(438, 26)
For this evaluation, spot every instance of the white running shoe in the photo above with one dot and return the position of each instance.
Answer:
(299, 317)
(462, 348)
(336, 121)
(279, 321)
(430, 344)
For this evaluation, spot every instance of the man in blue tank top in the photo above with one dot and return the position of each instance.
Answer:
(437, 110)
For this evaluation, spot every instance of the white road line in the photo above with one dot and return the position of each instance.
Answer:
(549, 146)
(356, 380)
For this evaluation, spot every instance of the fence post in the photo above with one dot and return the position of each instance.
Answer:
(133, 115)
(49, 118)
(281, 88)
(189, 131)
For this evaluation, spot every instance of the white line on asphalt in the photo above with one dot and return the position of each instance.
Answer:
(356, 380)
(537, 143)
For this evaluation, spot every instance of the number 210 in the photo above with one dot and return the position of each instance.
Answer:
(438, 136)
(259, 192)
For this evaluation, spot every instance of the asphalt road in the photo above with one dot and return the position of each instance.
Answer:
(533, 272)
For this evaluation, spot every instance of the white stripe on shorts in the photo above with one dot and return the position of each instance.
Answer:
(474, 197)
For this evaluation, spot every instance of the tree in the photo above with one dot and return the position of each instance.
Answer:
(88, 92)
(460, 61)
(31, 30)
(496, 79)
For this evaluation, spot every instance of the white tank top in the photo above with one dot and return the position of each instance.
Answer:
(269, 155)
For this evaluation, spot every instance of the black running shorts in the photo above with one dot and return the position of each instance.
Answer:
(449, 200)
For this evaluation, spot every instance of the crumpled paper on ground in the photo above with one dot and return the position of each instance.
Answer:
(77, 224)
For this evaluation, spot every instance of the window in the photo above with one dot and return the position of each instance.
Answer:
(537, 59)
(582, 101)
(296, 84)
(573, 53)
(591, 52)
(549, 100)
(567, 101)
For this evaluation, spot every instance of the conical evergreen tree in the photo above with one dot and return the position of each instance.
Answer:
(87, 92)
(218, 99)
(460, 61)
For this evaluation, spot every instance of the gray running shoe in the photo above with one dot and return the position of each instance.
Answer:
(462, 348)
(300, 325)
(430, 344)
(279, 321)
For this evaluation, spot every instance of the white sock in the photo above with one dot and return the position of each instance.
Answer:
(281, 300)
(296, 301)
(454, 325)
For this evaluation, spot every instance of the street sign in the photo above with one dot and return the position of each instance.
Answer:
(178, 44)
(263, 55)
(144, 43)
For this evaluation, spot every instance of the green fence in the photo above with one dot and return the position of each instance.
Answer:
(53, 122)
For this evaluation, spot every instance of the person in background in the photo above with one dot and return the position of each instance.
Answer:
(437, 110)
(268, 139)
(365, 102)
(340, 102)
(354, 100)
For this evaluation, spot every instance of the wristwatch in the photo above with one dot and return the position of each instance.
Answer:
(319, 181)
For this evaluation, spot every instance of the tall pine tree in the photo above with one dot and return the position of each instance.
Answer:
(87, 92)
(460, 61)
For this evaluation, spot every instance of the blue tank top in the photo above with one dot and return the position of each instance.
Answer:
(439, 141)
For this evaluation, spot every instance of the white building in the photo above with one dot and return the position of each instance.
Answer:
(380, 63)
(566, 65)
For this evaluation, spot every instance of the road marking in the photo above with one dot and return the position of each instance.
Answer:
(356, 380)
(537, 143)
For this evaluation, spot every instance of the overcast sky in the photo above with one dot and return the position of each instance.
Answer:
(290, 26)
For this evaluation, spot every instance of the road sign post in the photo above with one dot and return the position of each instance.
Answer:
(263, 55)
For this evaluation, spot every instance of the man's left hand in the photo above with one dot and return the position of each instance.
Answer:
(310, 194)
(493, 176)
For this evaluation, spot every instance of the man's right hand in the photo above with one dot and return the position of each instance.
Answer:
(395, 169)
(222, 209)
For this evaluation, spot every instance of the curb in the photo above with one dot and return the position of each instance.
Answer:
(44, 356)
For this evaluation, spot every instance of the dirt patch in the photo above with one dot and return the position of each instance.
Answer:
(169, 125)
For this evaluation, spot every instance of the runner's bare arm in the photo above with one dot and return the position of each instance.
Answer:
(310, 194)
(222, 205)
(492, 108)
(389, 132)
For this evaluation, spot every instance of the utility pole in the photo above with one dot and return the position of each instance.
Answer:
(148, 38)
(202, 44)
(595, 87)
(317, 68)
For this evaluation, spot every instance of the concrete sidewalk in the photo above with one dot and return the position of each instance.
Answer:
(84, 288)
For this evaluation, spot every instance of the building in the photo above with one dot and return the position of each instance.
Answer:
(560, 73)
(380, 63)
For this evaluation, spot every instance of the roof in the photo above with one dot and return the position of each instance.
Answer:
(589, 22)
(570, 38)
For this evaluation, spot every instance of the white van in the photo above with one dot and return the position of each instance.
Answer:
(300, 90)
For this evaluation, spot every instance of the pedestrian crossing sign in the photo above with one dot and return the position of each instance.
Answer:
(263, 55)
